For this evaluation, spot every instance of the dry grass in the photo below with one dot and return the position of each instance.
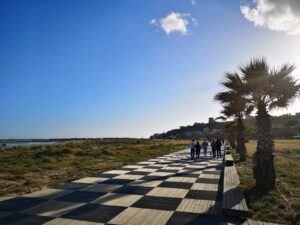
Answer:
(281, 145)
(25, 169)
(281, 205)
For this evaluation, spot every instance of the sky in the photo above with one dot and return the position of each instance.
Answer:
(131, 68)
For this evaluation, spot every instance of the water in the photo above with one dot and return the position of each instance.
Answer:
(27, 143)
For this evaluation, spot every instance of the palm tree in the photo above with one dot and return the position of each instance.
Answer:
(235, 105)
(267, 89)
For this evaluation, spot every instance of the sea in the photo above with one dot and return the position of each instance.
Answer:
(25, 143)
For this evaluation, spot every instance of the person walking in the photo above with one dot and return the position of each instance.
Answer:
(205, 145)
(198, 148)
(218, 147)
(213, 147)
(192, 146)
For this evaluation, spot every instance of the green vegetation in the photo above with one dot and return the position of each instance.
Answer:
(25, 169)
(281, 205)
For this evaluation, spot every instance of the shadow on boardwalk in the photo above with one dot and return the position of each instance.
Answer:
(168, 190)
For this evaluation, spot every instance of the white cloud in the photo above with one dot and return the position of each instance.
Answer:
(153, 21)
(195, 22)
(193, 2)
(278, 15)
(174, 22)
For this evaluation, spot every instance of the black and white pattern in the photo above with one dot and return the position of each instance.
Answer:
(172, 189)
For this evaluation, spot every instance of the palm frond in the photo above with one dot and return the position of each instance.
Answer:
(283, 88)
(249, 109)
(255, 69)
(233, 100)
(225, 96)
(255, 76)
(233, 82)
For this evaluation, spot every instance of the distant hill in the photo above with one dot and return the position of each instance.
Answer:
(210, 129)
(284, 126)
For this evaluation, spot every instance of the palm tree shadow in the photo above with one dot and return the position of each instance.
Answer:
(255, 193)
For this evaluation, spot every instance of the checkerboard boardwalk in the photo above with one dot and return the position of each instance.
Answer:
(172, 189)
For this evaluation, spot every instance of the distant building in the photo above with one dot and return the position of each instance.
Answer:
(211, 120)
(206, 130)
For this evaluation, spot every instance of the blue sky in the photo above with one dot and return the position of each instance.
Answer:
(129, 68)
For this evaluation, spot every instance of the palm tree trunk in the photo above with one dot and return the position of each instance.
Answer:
(263, 159)
(241, 147)
(229, 132)
(231, 140)
(236, 140)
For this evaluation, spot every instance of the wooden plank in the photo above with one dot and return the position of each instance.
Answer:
(233, 203)
(228, 157)
(229, 160)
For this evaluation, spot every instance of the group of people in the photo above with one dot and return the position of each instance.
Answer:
(215, 144)
(196, 147)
